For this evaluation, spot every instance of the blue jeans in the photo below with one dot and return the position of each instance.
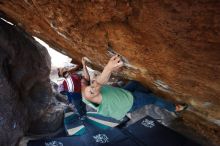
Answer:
(143, 96)
(76, 99)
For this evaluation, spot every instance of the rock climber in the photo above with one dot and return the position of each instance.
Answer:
(117, 102)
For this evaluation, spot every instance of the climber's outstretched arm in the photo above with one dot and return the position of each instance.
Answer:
(94, 89)
(85, 70)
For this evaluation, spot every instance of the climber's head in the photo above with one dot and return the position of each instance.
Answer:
(63, 72)
(66, 74)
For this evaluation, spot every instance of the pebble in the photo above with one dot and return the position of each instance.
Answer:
(14, 125)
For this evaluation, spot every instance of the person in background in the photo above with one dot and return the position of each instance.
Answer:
(71, 87)
(117, 102)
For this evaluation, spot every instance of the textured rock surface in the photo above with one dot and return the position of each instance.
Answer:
(26, 102)
(172, 46)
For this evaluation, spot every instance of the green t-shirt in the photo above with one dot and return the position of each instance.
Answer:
(116, 102)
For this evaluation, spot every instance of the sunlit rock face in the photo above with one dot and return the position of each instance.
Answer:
(25, 90)
(171, 46)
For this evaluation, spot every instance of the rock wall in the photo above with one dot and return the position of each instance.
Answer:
(25, 90)
(171, 46)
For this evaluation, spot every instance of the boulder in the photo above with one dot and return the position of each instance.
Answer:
(26, 101)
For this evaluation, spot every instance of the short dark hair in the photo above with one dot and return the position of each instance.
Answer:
(64, 73)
